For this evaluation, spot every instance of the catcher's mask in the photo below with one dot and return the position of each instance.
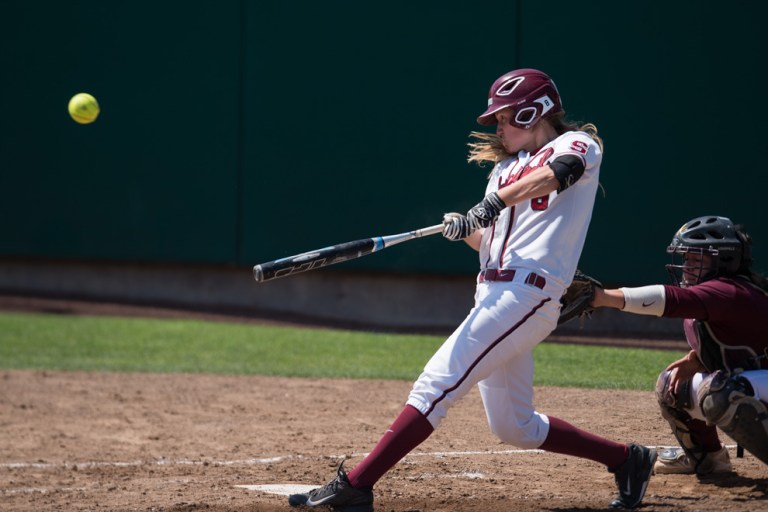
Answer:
(530, 93)
(724, 250)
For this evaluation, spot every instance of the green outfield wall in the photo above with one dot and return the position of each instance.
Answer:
(234, 132)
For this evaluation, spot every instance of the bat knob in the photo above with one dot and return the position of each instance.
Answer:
(258, 274)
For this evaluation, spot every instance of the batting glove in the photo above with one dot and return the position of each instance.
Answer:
(456, 227)
(485, 212)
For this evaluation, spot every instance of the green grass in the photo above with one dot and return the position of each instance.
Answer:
(47, 341)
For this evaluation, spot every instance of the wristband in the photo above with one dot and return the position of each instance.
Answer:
(645, 300)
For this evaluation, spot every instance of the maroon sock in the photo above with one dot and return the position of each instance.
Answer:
(408, 431)
(704, 435)
(569, 440)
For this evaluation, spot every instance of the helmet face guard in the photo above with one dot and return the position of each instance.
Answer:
(529, 93)
(689, 270)
(719, 247)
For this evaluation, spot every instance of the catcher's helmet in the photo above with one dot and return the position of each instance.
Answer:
(531, 94)
(717, 237)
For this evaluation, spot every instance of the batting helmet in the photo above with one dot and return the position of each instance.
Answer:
(718, 237)
(529, 92)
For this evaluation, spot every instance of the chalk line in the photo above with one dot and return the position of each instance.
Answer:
(261, 460)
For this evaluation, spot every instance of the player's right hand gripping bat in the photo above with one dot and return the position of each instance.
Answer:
(334, 254)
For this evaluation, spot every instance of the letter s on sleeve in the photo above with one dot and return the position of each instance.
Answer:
(579, 146)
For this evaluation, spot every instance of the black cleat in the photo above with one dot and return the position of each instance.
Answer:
(632, 476)
(337, 494)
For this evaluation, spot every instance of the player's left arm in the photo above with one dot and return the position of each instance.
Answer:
(561, 172)
(540, 182)
(558, 175)
(475, 239)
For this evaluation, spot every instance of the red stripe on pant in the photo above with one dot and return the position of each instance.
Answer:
(485, 353)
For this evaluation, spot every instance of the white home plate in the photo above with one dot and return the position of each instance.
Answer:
(282, 489)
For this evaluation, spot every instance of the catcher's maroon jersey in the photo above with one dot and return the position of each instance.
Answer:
(730, 311)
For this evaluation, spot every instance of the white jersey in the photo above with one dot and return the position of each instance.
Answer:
(544, 235)
(541, 240)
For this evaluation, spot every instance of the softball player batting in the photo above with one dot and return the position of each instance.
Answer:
(529, 230)
(723, 380)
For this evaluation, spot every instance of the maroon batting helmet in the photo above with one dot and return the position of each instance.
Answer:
(531, 94)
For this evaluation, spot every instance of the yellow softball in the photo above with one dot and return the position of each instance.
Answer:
(83, 108)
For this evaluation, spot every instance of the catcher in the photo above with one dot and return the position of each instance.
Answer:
(723, 380)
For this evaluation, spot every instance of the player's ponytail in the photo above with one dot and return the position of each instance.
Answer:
(745, 266)
(487, 147)
(561, 126)
(758, 280)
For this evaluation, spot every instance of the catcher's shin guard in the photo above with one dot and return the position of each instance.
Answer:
(728, 401)
(673, 410)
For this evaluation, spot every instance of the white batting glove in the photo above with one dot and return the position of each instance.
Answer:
(456, 227)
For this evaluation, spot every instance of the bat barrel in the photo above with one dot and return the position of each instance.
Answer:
(333, 254)
(313, 259)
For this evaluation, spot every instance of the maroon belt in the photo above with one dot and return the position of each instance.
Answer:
(493, 274)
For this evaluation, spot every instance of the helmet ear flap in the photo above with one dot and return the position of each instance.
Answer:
(746, 247)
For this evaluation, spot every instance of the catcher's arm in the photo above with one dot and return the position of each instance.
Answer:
(585, 294)
(608, 298)
(643, 300)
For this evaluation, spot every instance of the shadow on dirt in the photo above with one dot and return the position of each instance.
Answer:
(756, 487)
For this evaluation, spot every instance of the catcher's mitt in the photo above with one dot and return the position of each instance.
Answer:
(577, 299)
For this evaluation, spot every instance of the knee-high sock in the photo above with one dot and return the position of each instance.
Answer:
(408, 431)
(569, 440)
(704, 435)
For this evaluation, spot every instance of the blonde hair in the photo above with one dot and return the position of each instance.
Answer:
(487, 147)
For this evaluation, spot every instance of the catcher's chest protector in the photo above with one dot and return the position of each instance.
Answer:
(716, 355)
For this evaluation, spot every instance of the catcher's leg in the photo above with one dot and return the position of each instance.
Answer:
(729, 402)
(702, 451)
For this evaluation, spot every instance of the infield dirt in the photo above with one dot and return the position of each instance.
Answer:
(106, 441)
(182, 442)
